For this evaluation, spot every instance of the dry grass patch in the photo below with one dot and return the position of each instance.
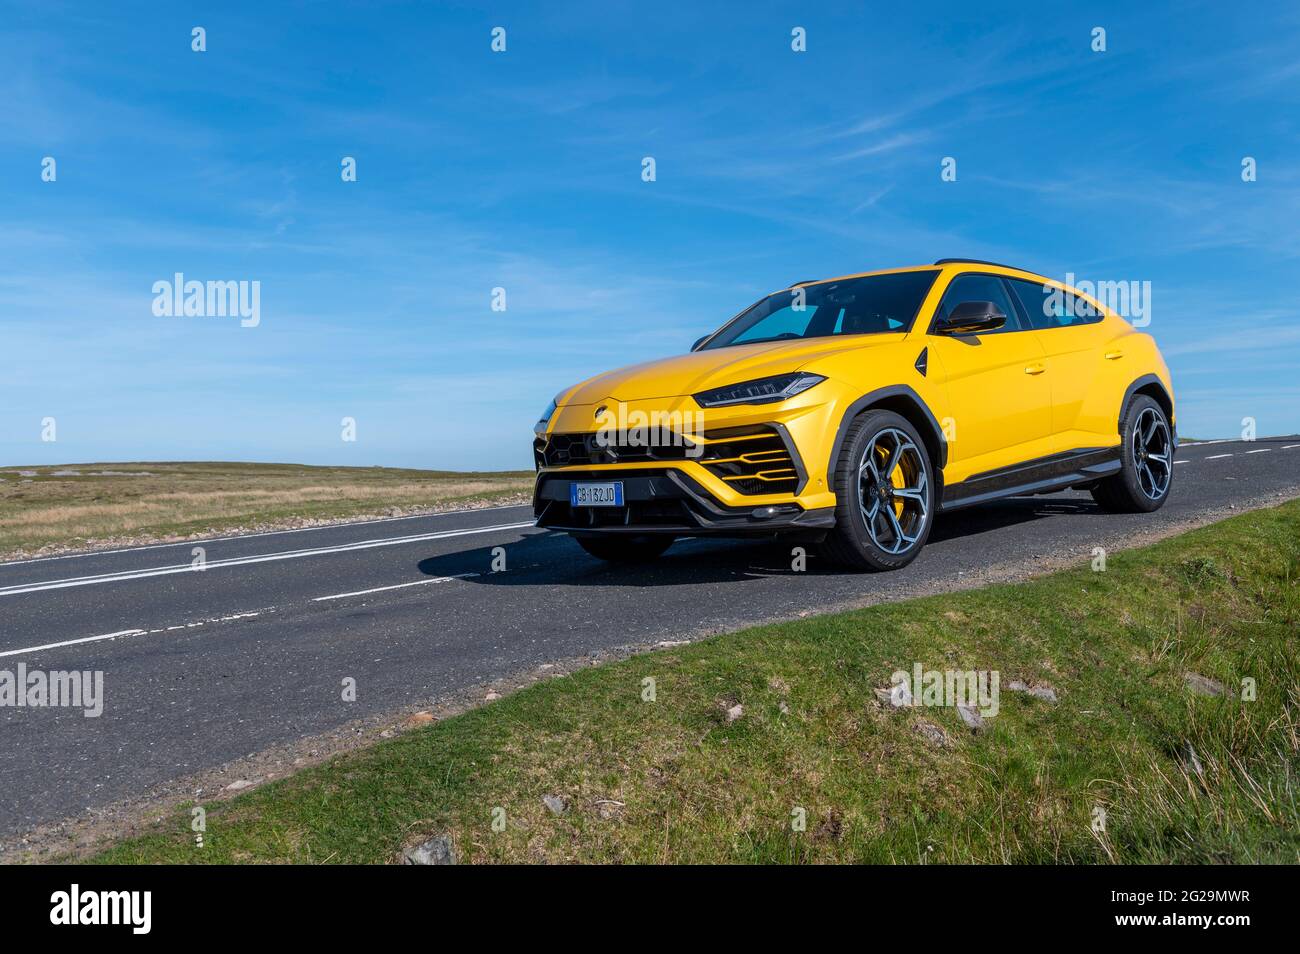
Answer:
(49, 508)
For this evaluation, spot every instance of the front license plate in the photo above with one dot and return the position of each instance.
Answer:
(596, 495)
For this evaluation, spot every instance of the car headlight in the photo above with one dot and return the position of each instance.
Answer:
(539, 428)
(762, 391)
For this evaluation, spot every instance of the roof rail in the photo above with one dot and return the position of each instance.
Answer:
(970, 261)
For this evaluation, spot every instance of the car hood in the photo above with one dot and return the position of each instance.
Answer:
(701, 370)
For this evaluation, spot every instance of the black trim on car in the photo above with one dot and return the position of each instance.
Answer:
(975, 261)
(1042, 475)
(1149, 380)
(665, 501)
(875, 397)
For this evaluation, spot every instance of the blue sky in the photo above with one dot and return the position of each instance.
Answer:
(522, 170)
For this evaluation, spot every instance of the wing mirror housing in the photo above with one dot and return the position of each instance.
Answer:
(972, 317)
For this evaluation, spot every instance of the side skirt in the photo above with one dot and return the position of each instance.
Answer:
(1038, 476)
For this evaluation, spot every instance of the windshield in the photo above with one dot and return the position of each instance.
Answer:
(876, 304)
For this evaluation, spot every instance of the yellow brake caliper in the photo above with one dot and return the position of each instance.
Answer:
(897, 479)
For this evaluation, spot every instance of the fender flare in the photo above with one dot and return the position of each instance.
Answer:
(874, 397)
(1147, 380)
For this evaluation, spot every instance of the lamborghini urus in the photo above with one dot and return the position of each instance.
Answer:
(851, 411)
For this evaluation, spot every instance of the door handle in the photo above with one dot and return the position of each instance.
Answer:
(1035, 368)
(1114, 355)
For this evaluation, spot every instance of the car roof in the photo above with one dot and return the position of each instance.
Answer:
(937, 265)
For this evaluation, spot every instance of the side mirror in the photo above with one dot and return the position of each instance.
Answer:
(699, 341)
(972, 317)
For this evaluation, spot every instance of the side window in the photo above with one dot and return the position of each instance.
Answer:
(1049, 307)
(980, 288)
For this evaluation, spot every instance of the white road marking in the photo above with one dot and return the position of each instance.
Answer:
(1182, 462)
(249, 536)
(214, 619)
(1262, 450)
(395, 586)
(244, 561)
(1289, 446)
(73, 642)
(137, 632)
(1218, 456)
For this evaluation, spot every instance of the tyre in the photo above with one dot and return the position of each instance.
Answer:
(1146, 461)
(884, 492)
(624, 549)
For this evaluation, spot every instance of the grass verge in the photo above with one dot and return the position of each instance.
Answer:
(1180, 776)
(84, 505)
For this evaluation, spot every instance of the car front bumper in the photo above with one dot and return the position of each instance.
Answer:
(668, 500)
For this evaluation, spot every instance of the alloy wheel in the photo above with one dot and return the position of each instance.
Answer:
(893, 491)
(1150, 449)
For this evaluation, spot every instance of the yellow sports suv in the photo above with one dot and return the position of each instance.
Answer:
(851, 411)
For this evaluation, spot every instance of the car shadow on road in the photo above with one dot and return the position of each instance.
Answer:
(551, 559)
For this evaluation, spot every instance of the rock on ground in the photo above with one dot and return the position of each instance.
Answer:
(437, 850)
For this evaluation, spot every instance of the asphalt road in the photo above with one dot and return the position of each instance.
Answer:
(205, 667)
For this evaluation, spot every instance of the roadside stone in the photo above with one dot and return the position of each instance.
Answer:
(437, 850)
(932, 733)
(971, 716)
(1046, 693)
(735, 712)
(238, 785)
(1204, 685)
(896, 697)
(556, 804)
(491, 696)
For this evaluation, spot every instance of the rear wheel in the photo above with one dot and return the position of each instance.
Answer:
(885, 494)
(630, 548)
(1147, 461)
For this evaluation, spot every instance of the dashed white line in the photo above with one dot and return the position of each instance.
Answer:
(1182, 462)
(395, 586)
(1290, 446)
(1218, 456)
(1262, 450)
(215, 619)
(137, 632)
(73, 642)
(244, 561)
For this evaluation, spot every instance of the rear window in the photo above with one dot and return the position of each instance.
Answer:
(1050, 307)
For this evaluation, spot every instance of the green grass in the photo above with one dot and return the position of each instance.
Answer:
(674, 781)
(78, 505)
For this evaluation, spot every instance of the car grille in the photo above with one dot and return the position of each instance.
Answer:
(752, 460)
(569, 450)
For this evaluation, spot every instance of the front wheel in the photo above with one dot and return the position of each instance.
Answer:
(884, 493)
(630, 548)
(1147, 461)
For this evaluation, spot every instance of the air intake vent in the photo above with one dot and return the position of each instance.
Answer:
(752, 460)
